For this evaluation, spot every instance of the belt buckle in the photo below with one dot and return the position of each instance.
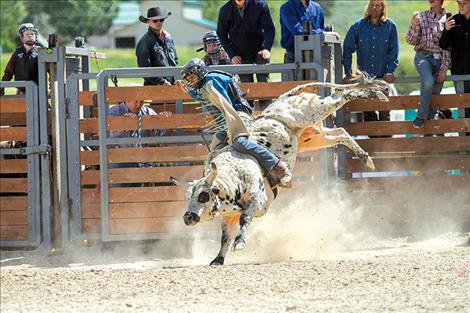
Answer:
(436, 55)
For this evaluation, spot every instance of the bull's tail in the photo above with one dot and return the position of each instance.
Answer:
(364, 86)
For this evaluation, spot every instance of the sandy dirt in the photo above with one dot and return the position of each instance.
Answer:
(411, 278)
(318, 255)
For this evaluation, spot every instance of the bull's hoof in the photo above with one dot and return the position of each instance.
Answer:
(218, 261)
(238, 245)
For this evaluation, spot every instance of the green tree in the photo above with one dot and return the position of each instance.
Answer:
(11, 14)
(71, 18)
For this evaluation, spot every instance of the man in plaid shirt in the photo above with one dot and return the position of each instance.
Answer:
(430, 60)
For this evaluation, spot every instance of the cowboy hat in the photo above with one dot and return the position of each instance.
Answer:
(153, 14)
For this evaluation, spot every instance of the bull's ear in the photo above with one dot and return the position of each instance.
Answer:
(213, 174)
(179, 182)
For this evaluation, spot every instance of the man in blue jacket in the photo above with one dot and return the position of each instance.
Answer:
(374, 38)
(195, 77)
(293, 15)
(246, 31)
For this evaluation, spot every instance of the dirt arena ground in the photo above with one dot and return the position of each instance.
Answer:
(328, 259)
(420, 277)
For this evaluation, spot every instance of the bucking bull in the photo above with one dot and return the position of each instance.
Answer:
(234, 186)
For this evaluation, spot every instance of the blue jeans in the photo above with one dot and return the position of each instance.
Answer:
(427, 67)
(266, 159)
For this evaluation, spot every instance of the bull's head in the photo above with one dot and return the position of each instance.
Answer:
(203, 203)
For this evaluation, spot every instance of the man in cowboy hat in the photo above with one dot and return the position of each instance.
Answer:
(156, 47)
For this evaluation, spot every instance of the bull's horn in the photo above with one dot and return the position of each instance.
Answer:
(213, 174)
(179, 182)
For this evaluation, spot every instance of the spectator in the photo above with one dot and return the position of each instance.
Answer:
(156, 47)
(374, 38)
(195, 77)
(293, 15)
(246, 31)
(135, 109)
(23, 63)
(215, 53)
(456, 37)
(430, 60)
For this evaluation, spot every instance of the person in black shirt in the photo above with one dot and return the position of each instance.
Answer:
(23, 63)
(246, 30)
(156, 47)
(456, 36)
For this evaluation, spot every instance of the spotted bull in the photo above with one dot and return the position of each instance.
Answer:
(234, 187)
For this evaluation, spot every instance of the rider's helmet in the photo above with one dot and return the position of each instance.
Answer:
(28, 27)
(211, 37)
(197, 67)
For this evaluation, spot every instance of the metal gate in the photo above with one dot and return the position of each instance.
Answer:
(25, 170)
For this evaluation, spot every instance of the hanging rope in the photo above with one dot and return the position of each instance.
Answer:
(113, 78)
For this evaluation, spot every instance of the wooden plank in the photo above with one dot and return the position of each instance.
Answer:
(406, 127)
(408, 198)
(177, 121)
(155, 225)
(12, 104)
(13, 232)
(147, 209)
(91, 225)
(408, 102)
(13, 133)
(13, 185)
(137, 194)
(13, 203)
(14, 217)
(428, 164)
(187, 107)
(158, 94)
(144, 225)
(142, 175)
(272, 90)
(12, 119)
(418, 183)
(162, 94)
(189, 153)
(13, 165)
(415, 144)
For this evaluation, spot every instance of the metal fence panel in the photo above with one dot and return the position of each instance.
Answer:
(37, 156)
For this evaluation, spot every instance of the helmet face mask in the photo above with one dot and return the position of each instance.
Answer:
(193, 73)
(211, 43)
(191, 81)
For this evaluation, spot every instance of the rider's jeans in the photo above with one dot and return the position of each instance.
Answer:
(266, 159)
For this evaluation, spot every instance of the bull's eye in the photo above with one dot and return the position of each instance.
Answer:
(203, 197)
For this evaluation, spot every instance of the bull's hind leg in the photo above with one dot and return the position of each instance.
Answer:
(341, 136)
(318, 137)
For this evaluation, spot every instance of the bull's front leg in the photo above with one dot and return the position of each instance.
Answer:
(254, 203)
(224, 244)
